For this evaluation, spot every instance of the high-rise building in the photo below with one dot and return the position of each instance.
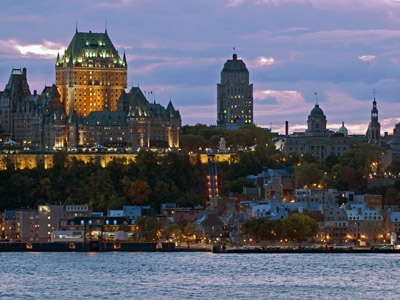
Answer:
(234, 95)
(91, 75)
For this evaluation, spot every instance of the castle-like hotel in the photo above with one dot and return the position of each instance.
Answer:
(88, 106)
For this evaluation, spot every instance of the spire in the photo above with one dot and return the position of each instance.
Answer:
(76, 26)
(374, 110)
(124, 59)
(374, 128)
(106, 28)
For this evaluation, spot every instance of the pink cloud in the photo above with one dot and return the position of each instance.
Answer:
(370, 58)
(47, 49)
(233, 3)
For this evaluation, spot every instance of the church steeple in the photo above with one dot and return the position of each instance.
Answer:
(374, 128)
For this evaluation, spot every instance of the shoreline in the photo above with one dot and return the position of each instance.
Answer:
(170, 247)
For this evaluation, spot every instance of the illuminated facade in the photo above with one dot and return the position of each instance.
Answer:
(234, 95)
(90, 76)
(149, 124)
(88, 107)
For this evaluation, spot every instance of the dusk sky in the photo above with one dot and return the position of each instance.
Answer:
(342, 50)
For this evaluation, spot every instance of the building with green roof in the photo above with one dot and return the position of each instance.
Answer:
(90, 75)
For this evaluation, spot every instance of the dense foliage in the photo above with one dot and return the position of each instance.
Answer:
(149, 180)
(181, 178)
(295, 227)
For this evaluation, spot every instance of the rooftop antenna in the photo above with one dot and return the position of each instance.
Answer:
(76, 26)
(234, 50)
(316, 97)
(106, 27)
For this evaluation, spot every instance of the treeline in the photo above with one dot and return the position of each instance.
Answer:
(149, 180)
(294, 227)
(154, 179)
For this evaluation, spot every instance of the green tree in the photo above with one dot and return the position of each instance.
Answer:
(309, 174)
(173, 231)
(149, 228)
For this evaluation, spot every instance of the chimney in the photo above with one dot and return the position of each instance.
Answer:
(286, 128)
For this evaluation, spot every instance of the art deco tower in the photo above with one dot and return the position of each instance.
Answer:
(91, 75)
(234, 95)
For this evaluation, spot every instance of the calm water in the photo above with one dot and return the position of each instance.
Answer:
(156, 275)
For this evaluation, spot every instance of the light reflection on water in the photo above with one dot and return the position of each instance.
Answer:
(153, 275)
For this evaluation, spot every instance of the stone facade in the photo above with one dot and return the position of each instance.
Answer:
(88, 107)
(317, 140)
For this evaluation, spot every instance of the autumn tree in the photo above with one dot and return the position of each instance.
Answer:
(139, 192)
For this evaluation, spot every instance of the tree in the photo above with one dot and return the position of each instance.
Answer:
(149, 228)
(309, 174)
(173, 231)
(139, 192)
(189, 230)
(192, 143)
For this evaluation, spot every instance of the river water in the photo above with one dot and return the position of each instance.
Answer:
(200, 275)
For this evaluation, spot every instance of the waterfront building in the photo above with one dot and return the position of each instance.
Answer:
(27, 225)
(8, 226)
(49, 219)
(365, 224)
(317, 140)
(210, 226)
(336, 224)
(234, 95)
(392, 223)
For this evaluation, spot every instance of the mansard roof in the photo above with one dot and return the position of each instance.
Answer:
(90, 45)
(135, 104)
(105, 118)
(17, 86)
(55, 115)
(171, 112)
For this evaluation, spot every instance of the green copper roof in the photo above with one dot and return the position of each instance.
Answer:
(87, 45)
